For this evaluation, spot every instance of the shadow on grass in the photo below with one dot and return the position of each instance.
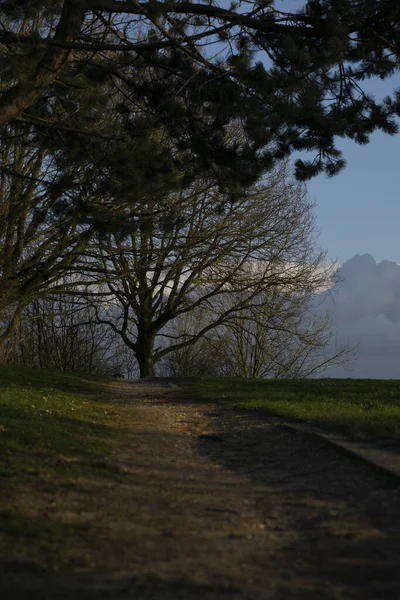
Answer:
(96, 587)
(25, 430)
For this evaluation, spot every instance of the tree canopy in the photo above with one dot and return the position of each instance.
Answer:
(293, 79)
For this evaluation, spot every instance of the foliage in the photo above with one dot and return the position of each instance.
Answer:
(36, 243)
(106, 105)
(294, 79)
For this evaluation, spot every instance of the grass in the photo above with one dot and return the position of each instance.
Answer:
(360, 408)
(54, 428)
(61, 490)
(41, 412)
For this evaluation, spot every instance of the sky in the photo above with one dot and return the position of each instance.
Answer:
(358, 210)
(365, 312)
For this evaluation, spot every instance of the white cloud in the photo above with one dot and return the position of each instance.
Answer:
(365, 308)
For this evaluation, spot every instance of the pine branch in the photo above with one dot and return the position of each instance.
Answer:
(21, 96)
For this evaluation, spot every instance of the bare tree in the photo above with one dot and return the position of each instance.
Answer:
(285, 340)
(205, 357)
(287, 335)
(60, 332)
(188, 251)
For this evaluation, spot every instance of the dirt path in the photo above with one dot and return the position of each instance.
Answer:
(209, 504)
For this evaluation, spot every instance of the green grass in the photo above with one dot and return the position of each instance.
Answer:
(54, 430)
(48, 412)
(360, 408)
(25, 377)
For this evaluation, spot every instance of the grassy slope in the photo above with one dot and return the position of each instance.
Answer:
(43, 411)
(53, 428)
(57, 432)
(361, 408)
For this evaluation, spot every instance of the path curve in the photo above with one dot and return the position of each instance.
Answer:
(217, 504)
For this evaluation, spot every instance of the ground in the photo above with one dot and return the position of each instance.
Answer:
(199, 502)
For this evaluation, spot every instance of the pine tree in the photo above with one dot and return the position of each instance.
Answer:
(293, 80)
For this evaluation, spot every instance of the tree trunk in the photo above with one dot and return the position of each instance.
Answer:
(146, 366)
(144, 348)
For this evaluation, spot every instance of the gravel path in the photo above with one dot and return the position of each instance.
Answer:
(215, 504)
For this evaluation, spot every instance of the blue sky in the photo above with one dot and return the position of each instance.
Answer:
(358, 211)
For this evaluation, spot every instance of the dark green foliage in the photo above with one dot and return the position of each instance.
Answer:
(129, 102)
(293, 83)
(19, 9)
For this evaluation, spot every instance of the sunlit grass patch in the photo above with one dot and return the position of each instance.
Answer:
(362, 408)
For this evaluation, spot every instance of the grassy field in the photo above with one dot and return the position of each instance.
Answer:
(54, 429)
(361, 408)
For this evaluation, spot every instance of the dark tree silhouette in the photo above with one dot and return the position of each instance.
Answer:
(294, 79)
